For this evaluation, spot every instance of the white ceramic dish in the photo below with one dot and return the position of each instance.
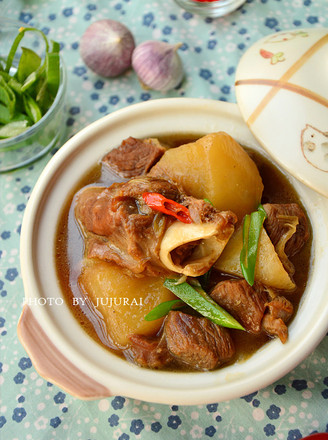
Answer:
(59, 348)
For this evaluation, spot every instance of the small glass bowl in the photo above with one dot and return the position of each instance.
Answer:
(48, 132)
(214, 8)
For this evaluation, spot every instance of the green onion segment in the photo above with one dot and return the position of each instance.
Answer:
(252, 227)
(163, 309)
(27, 90)
(198, 299)
(205, 279)
(208, 201)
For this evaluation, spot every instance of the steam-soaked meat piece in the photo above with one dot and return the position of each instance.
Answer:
(119, 226)
(278, 223)
(243, 302)
(149, 352)
(134, 157)
(197, 342)
(279, 311)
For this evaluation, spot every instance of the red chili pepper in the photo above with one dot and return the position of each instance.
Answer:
(157, 202)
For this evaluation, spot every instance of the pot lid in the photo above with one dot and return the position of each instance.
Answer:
(282, 93)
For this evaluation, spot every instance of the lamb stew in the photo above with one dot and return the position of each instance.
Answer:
(171, 211)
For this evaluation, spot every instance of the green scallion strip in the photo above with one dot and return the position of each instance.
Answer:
(4, 114)
(252, 227)
(27, 89)
(28, 63)
(13, 129)
(32, 109)
(205, 279)
(16, 42)
(4, 96)
(163, 309)
(198, 299)
(15, 85)
(53, 71)
(8, 97)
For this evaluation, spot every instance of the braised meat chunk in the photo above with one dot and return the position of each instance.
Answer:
(194, 342)
(134, 157)
(286, 222)
(254, 308)
(242, 301)
(278, 312)
(197, 342)
(202, 211)
(101, 210)
(149, 352)
(119, 226)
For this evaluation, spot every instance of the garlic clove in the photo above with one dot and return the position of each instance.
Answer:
(158, 65)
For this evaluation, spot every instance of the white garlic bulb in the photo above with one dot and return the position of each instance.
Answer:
(158, 65)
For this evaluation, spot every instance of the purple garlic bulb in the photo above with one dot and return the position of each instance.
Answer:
(106, 47)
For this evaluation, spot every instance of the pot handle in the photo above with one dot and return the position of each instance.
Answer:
(51, 364)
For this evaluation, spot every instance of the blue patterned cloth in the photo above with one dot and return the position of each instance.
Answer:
(31, 407)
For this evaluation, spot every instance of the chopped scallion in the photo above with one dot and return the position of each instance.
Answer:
(27, 89)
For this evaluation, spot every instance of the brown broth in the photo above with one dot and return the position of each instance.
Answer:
(70, 248)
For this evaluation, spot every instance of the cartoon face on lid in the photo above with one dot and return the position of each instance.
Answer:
(315, 147)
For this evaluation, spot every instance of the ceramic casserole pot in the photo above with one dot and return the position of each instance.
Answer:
(62, 351)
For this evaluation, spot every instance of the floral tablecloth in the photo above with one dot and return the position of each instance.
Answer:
(34, 409)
